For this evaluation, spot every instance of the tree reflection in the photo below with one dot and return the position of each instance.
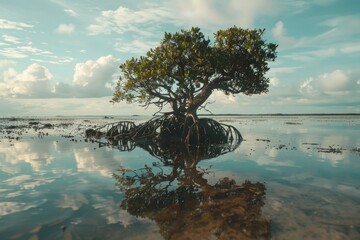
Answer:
(185, 204)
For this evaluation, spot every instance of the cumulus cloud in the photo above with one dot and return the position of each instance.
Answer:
(335, 83)
(4, 63)
(93, 78)
(279, 32)
(65, 29)
(90, 79)
(32, 82)
(220, 97)
(7, 24)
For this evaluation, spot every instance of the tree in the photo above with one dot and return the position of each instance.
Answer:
(186, 68)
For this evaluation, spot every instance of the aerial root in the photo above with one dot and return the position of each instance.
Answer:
(169, 128)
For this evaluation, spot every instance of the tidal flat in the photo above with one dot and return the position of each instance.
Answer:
(292, 177)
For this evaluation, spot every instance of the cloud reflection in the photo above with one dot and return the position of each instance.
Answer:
(7, 208)
(313, 144)
(111, 211)
(36, 154)
(74, 201)
(27, 182)
(102, 161)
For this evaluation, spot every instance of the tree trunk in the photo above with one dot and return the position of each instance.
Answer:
(191, 112)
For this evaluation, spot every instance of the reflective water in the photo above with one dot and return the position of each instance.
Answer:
(292, 177)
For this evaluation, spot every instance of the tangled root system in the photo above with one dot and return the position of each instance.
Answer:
(170, 128)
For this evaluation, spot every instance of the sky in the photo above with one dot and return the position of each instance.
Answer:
(62, 57)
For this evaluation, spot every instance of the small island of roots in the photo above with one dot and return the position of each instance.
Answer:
(169, 128)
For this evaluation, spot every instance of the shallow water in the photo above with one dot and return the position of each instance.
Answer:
(53, 186)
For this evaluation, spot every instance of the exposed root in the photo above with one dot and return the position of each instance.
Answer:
(169, 128)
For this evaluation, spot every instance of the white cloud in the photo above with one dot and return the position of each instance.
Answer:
(4, 63)
(124, 19)
(135, 46)
(338, 39)
(208, 14)
(274, 81)
(350, 48)
(335, 83)
(300, 5)
(30, 49)
(220, 97)
(65, 29)
(320, 53)
(11, 39)
(32, 82)
(6, 24)
(282, 70)
(351, 21)
(307, 87)
(36, 54)
(214, 14)
(70, 12)
(323, 53)
(91, 79)
(12, 53)
(341, 28)
(199, 12)
(279, 32)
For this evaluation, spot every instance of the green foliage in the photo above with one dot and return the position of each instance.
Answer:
(186, 67)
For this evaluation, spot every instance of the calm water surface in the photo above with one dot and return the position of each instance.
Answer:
(56, 187)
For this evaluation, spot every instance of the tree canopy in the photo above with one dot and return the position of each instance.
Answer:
(186, 68)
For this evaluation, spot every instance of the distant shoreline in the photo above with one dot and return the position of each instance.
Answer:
(200, 115)
(284, 114)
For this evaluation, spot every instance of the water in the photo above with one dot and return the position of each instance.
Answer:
(61, 187)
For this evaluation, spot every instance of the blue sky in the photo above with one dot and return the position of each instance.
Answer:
(61, 57)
